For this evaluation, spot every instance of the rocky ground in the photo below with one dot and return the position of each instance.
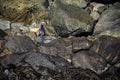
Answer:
(81, 41)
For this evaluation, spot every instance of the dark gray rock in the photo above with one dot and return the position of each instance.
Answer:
(41, 61)
(39, 39)
(36, 60)
(70, 20)
(20, 44)
(90, 60)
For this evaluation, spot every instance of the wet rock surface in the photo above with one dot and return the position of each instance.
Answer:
(80, 40)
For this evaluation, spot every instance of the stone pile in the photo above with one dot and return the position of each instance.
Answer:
(81, 41)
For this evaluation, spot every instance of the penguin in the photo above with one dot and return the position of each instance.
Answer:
(42, 31)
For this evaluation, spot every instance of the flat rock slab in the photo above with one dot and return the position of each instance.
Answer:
(40, 61)
(65, 47)
(20, 44)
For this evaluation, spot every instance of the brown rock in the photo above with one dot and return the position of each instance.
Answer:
(89, 60)
(108, 47)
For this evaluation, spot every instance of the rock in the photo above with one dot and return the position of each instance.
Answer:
(65, 47)
(80, 43)
(32, 35)
(70, 20)
(109, 48)
(4, 25)
(50, 31)
(39, 61)
(48, 39)
(79, 3)
(35, 30)
(98, 7)
(15, 28)
(95, 15)
(61, 47)
(24, 28)
(90, 60)
(36, 60)
(16, 25)
(24, 11)
(39, 39)
(20, 44)
(109, 20)
(112, 33)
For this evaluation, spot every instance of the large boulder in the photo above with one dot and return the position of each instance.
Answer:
(109, 23)
(68, 19)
